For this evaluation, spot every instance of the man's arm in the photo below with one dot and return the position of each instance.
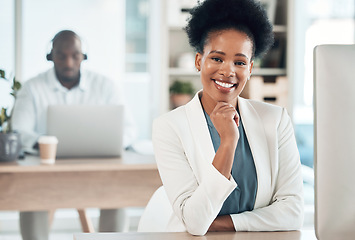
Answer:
(23, 119)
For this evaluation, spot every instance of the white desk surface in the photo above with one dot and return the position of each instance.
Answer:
(292, 235)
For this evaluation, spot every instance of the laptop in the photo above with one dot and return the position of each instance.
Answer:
(86, 130)
(334, 125)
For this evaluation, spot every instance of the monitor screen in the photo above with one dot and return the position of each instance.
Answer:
(334, 124)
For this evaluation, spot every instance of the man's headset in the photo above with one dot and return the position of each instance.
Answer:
(49, 56)
(59, 35)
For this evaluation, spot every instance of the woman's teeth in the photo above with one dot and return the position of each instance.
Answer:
(223, 84)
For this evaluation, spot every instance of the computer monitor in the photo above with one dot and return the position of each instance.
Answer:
(334, 124)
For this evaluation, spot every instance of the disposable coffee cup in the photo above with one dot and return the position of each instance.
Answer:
(47, 149)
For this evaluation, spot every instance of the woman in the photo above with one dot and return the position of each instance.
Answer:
(227, 163)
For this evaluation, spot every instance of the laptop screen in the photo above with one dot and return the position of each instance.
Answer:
(86, 130)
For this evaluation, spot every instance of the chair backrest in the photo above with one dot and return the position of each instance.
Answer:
(157, 213)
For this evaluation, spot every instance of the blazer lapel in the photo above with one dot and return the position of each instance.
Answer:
(199, 128)
(254, 129)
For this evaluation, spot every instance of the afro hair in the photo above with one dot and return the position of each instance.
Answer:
(247, 16)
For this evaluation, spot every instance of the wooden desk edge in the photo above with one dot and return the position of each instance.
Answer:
(84, 167)
(304, 234)
(129, 161)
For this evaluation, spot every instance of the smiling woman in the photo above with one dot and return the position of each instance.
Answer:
(225, 66)
(228, 163)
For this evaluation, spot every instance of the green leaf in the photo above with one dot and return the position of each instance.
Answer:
(16, 85)
(2, 73)
(3, 116)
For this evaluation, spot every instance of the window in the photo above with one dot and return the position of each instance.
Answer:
(138, 80)
(136, 35)
(100, 24)
(7, 50)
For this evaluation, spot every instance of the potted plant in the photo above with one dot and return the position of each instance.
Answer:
(10, 143)
(181, 93)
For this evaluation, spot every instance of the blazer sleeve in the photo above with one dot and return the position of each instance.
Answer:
(195, 203)
(286, 209)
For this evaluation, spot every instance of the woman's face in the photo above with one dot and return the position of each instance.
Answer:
(225, 66)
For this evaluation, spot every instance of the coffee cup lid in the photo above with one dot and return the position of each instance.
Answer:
(48, 139)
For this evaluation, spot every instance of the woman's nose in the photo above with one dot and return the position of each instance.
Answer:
(227, 70)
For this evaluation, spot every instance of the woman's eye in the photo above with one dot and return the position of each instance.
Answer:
(239, 63)
(216, 59)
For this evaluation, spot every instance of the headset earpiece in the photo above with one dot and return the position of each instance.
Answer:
(49, 57)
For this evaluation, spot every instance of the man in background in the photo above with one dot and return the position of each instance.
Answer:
(66, 83)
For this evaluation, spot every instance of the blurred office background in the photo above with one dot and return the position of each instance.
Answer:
(126, 41)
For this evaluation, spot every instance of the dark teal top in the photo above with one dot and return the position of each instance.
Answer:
(243, 171)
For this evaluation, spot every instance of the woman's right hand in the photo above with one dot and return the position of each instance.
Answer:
(225, 119)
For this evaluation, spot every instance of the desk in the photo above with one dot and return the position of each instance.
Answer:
(130, 181)
(294, 235)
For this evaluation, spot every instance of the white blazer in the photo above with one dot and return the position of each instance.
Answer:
(196, 190)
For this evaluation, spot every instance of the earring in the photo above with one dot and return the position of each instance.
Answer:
(197, 70)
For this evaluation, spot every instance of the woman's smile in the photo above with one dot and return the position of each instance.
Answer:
(225, 86)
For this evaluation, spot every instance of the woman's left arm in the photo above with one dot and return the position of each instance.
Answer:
(222, 224)
(286, 209)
